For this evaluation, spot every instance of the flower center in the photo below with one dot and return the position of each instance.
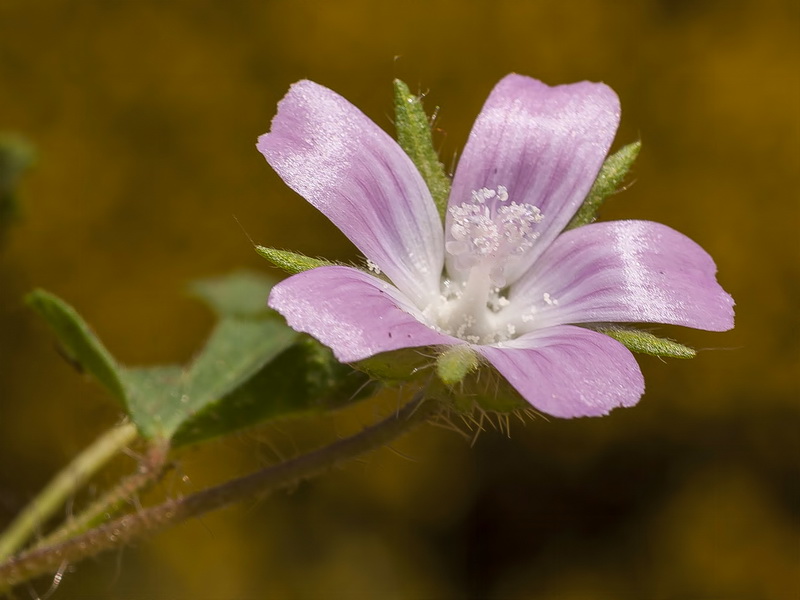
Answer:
(487, 234)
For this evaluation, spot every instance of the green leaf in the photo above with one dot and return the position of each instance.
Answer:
(414, 136)
(304, 379)
(291, 262)
(79, 344)
(241, 294)
(253, 367)
(16, 156)
(151, 391)
(647, 343)
(610, 177)
(161, 399)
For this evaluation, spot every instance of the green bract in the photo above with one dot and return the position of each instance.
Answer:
(610, 177)
(414, 136)
(291, 262)
(647, 343)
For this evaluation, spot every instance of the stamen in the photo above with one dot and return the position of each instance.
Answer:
(490, 228)
(502, 193)
(373, 267)
(487, 233)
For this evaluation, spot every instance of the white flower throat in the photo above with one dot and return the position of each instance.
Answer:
(487, 234)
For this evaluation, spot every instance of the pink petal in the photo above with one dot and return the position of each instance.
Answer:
(334, 156)
(544, 144)
(355, 314)
(569, 371)
(625, 271)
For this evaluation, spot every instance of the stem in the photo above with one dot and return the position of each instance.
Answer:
(112, 502)
(64, 485)
(133, 526)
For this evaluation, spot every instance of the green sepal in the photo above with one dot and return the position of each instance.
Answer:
(610, 177)
(79, 344)
(455, 375)
(470, 383)
(398, 367)
(455, 363)
(414, 136)
(643, 342)
(291, 262)
(484, 389)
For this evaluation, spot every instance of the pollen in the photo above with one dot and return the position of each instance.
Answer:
(373, 267)
(486, 233)
(490, 228)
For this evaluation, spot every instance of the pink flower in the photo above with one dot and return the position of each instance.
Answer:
(501, 275)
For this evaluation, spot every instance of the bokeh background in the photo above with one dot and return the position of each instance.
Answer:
(145, 115)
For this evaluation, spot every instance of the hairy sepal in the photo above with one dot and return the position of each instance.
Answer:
(644, 342)
(608, 181)
(414, 136)
(454, 375)
(409, 365)
(291, 262)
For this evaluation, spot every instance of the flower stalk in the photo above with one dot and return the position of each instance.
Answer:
(114, 500)
(64, 485)
(286, 474)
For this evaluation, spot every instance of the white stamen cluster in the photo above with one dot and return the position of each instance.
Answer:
(486, 233)
(372, 266)
(489, 227)
(467, 325)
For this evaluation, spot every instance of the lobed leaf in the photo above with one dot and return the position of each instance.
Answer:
(78, 341)
(303, 379)
(252, 368)
(414, 136)
(610, 177)
(162, 399)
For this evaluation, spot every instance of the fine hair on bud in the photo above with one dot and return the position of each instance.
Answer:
(455, 363)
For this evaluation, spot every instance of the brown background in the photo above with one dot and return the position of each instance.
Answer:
(145, 115)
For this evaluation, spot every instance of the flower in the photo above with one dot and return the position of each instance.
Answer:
(500, 275)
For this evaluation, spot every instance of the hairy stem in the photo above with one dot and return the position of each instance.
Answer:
(125, 529)
(114, 500)
(65, 484)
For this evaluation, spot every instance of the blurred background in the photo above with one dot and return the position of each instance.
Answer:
(145, 115)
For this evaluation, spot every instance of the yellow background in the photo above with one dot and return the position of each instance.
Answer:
(145, 115)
